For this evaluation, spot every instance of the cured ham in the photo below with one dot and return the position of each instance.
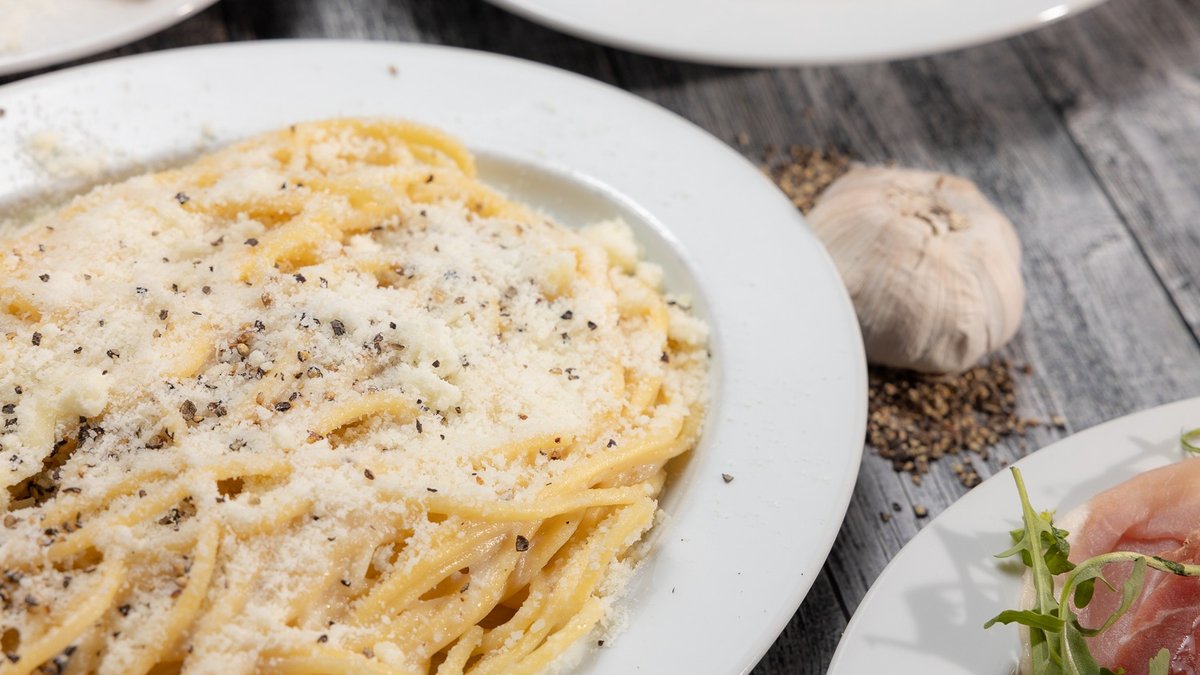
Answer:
(1156, 513)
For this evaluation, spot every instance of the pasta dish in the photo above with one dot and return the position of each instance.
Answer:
(322, 402)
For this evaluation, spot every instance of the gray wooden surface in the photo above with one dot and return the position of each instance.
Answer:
(1087, 133)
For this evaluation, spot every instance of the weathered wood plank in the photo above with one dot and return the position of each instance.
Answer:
(808, 641)
(461, 23)
(1135, 114)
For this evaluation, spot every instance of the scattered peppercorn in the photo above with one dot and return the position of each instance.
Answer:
(914, 419)
(803, 173)
(522, 544)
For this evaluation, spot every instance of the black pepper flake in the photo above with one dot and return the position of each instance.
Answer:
(31, 601)
(664, 358)
(591, 325)
(600, 643)
(12, 657)
(182, 198)
(283, 406)
(369, 474)
(522, 544)
(431, 489)
(914, 420)
(44, 277)
(567, 315)
(113, 354)
(299, 277)
(437, 364)
(392, 325)
(322, 639)
(339, 328)
(419, 428)
(36, 339)
(77, 350)
(346, 583)
(162, 314)
(727, 478)
(206, 290)
(188, 410)
(612, 443)
(124, 610)
(9, 408)
(252, 242)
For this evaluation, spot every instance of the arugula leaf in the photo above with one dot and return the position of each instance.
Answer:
(1161, 663)
(1129, 591)
(1190, 440)
(1057, 641)
(1077, 658)
(1027, 617)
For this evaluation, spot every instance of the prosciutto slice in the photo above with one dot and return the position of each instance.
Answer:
(1156, 513)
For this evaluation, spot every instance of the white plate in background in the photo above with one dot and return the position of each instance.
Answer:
(793, 32)
(733, 560)
(925, 613)
(37, 33)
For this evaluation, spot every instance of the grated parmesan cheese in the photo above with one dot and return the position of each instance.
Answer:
(480, 327)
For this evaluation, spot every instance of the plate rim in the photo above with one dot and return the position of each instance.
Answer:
(884, 582)
(22, 61)
(854, 377)
(769, 56)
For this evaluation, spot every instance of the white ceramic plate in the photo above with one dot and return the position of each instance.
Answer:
(733, 560)
(36, 33)
(793, 32)
(925, 613)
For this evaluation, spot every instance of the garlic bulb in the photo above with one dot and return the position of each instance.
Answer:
(933, 268)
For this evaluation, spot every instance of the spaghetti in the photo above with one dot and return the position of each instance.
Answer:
(322, 402)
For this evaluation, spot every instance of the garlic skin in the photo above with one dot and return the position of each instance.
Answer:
(933, 269)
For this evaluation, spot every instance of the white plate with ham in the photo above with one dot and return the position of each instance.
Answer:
(926, 612)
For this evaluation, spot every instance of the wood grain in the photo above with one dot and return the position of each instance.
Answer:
(1086, 133)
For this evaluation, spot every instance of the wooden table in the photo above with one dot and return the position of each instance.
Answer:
(1087, 134)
